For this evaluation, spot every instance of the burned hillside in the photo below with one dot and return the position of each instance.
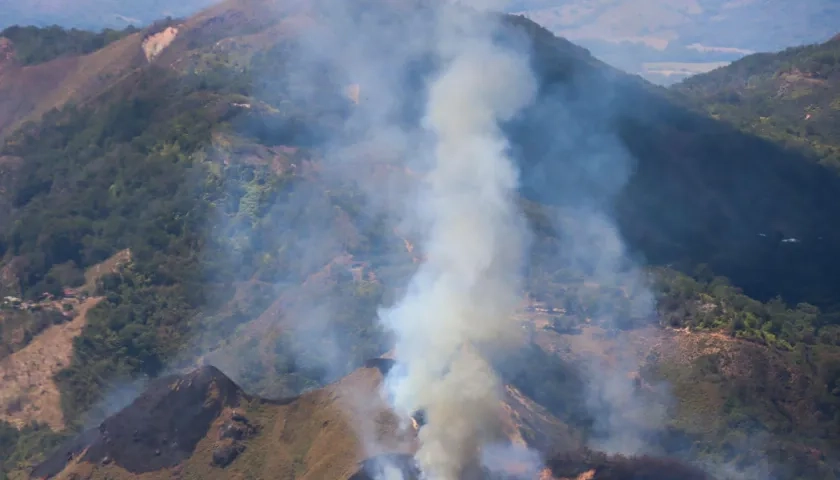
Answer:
(158, 430)
(201, 423)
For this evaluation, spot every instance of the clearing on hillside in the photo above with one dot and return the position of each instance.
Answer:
(29, 392)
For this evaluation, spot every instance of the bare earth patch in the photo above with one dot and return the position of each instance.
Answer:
(154, 44)
(111, 265)
(28, 392)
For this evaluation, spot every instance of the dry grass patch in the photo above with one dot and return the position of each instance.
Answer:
(28, 391)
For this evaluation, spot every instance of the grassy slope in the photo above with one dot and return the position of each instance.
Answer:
(27, 92)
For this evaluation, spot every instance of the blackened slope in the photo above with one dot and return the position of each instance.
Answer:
(572, 464)
(56, 462)
(159, 429)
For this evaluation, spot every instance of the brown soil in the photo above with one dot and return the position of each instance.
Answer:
(28, 391)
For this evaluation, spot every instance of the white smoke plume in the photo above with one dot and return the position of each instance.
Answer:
(458, 307)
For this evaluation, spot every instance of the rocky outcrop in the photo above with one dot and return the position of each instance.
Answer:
(224, 454)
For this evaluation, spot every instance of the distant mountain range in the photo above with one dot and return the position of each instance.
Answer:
(94, 14)
(663, 40)
(666, 40)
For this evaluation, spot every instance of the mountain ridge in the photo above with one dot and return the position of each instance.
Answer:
(789, 97)
(130, 441)
(205, 135)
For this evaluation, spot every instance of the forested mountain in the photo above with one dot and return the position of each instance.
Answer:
(790, 97)
(189, 146)
(94, 14)
(667, 40)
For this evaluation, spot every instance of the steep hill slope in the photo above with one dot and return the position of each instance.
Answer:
(791, 97)
(742, 189)
(37, 342)
(27, 92)
(200, 425)
(743, 401)
(698, 190)
(211, 166)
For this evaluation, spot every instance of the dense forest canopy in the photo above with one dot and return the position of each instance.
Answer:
(35, 45)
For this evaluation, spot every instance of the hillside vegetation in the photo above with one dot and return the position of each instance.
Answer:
(791, 97)
(692, 34)
(35, 45)
(204, 165)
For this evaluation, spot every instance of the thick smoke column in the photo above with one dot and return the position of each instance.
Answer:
(458, 308)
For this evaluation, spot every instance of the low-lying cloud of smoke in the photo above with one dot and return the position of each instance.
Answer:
(459, 205)
(449, 184)
(119, 395)
(624, 415)
(461, 300)
(578, 163)
(516, 462)
(457, 307)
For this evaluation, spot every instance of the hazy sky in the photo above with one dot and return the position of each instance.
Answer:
(94, 13)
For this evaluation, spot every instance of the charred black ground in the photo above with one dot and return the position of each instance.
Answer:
(158, 430)
(618, 467)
